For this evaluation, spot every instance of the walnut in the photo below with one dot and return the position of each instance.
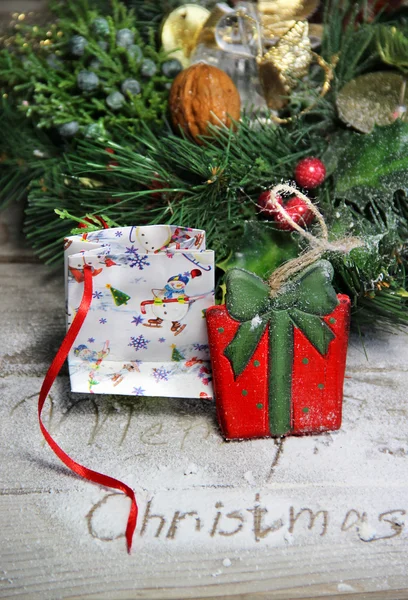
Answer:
(200, 95)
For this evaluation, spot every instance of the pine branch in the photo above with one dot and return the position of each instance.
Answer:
(40, 71)
(392, 45)
(24, 154)
(211, 189)
(172, 180)
(374, 276)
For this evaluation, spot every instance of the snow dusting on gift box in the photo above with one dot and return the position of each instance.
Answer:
(145, 332)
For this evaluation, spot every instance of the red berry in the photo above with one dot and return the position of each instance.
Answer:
(156, 184)
(267, 208)
(299, 211)
(310, 172)
(266, 204)
(296, 208)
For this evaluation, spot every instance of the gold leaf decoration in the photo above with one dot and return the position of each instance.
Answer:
(370, 100)
(284, 64)
(284, 10)
(278, 16)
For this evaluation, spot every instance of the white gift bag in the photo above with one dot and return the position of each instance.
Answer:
(145, 332)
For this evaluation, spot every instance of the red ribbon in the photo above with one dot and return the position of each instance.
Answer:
(50, 377)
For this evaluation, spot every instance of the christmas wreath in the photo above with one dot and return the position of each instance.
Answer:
(188, 114)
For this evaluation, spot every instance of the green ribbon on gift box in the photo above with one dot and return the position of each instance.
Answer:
(300, 303)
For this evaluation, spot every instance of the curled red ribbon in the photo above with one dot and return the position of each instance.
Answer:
(50, 377)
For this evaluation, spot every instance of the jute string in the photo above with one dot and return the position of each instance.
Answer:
(319, 245)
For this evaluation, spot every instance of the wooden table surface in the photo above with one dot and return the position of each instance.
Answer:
(307, 518)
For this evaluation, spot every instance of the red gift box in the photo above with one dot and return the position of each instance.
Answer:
(316, 380)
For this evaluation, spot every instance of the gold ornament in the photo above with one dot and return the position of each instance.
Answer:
(288, 9)
(328, 76)
(371, 99)
(207, 33)
(180, 31)
(315, 34)
(278, 16)
(284, 64)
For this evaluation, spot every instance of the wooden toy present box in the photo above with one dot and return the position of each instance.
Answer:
(278, 364)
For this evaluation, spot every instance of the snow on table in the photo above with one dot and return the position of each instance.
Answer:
(300, 518)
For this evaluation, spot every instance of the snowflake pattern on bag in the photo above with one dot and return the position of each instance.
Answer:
(139, 343)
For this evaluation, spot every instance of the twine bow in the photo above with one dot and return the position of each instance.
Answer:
(319, 245)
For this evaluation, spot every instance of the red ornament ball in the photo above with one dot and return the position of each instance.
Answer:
(266, 204)
(156, 185)
(310, 172)
(296, 208)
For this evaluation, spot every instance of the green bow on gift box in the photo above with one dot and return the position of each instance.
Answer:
(300, 303)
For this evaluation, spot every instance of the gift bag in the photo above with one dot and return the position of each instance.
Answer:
(136, 299)
(145, 331)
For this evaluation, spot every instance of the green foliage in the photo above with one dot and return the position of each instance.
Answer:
(392, 46)
(214, 186)
(40, 71)
(373, 275)
(17, 170)
(350, 40)
(383, 297)
(261, 249)
(126, 166)
(370, 168)
(44, 111)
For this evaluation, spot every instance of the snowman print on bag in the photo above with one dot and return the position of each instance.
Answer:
(171, 304)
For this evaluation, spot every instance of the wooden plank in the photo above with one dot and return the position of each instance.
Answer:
(63, 537)
(11, 6)
(13, 245)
